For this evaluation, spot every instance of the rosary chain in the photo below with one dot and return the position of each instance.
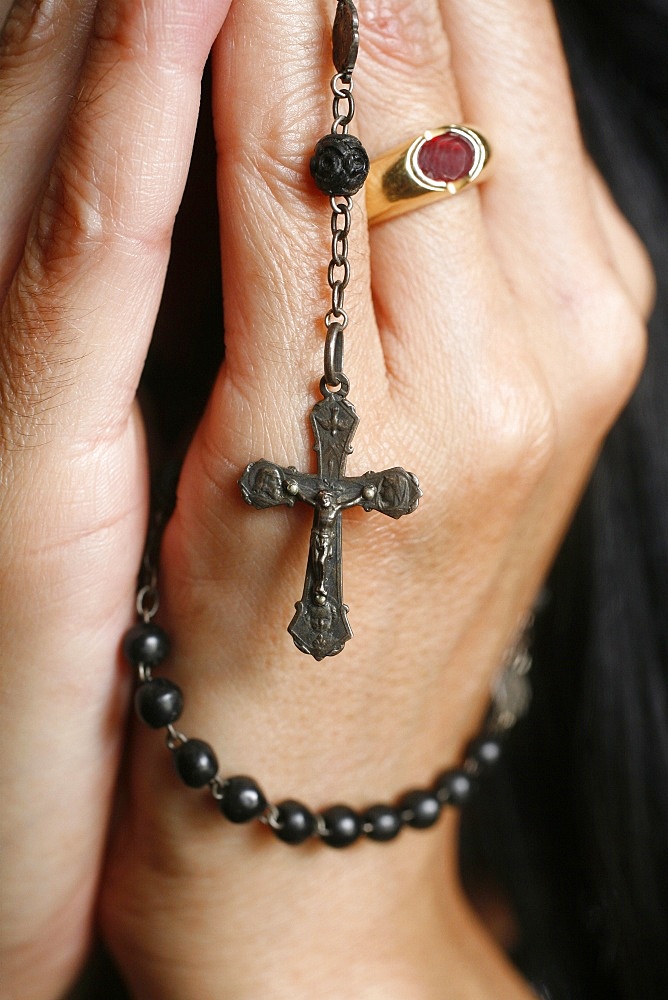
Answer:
(342, 88)
(338, 272)
(418, 808)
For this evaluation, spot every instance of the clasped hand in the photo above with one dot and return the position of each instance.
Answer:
(493, 338)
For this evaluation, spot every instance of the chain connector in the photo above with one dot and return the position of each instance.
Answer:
(148, 601)
(334, 354)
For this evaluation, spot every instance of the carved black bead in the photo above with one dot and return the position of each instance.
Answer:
(196, 763)
(297, 823)
(485, 751)
(145, 643)
(158, 702)
(385, 822)
(242, 799)
(423, 805)
(454, 786)
(343, 826)
(340, 164)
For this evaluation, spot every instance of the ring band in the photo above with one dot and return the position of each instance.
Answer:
(438, 163)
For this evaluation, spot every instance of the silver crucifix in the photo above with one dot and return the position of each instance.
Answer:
(320, 624)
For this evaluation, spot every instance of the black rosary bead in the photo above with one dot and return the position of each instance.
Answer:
(343, 826)
(340, 164)
(196, 763)
(296, 823)
(158, 702)
(242, 799)
(145, 644)
(454, 786)
(485, 751)
(424, 807)
(383, 823)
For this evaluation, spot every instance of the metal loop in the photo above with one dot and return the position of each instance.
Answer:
(341, 203)
(339, 248)
(148, 601)
(334, 354)
(338, 283)
(443, 795)
(338, 295)
(336, 106)
(341, 390)
(344, 230)
(217, 786)
(174, 738)
(270, 817)
(337, 316)
(341, 78)
(342, 117)
(144, 673)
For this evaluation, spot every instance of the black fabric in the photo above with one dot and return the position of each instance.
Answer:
(579, 821)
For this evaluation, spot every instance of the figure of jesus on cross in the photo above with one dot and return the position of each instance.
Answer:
(320, 624)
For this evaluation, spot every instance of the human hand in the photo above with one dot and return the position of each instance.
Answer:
(502, 335)
(89, 187)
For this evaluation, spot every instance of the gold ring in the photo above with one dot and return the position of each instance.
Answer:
(437, 164)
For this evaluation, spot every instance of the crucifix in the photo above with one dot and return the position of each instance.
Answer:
(339, 167)
(320, 623)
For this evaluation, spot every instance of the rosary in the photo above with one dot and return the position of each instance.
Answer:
(320, 625)
(339, 167)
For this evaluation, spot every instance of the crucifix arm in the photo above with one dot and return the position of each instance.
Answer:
(265, 484)
(394, 492)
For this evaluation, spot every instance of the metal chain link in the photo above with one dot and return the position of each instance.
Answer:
(342, 88)
(338, 272)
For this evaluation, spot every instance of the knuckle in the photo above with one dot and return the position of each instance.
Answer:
(168, 36)
(70, 225)
(517, 437)
(610, 354)
(37, 364)
(406, 33)
(26, 35)
(121, 30)
(274, 173)
(87, 212)
(523, 442)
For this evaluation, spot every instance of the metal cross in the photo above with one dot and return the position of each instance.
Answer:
(320, 624)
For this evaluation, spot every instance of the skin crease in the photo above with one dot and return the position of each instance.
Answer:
(493, 340)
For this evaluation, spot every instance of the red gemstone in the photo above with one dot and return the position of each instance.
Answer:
(446, 157)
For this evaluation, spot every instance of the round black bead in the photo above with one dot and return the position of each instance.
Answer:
(296, 822)
(454, 786)
(145, 643)
(158, 702)
(242, 799)
(343, 826)
(196, 763)
(340, 164)
(485, 751)
(423, 805)
(384, 822)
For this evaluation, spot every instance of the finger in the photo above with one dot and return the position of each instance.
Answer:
(275, 224)
(514, 81)
(423, 259)
(81, 307)
(41, 52)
